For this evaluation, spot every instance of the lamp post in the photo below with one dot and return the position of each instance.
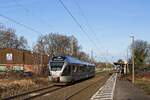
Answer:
(127, 65)
(41, 56)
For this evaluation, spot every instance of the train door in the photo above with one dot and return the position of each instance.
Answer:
(67, 71)
(75, 72)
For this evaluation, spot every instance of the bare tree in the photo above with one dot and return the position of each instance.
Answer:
(22, 43)
(75, 48)
(140, 53)
(83, 56)
(8, 39)
(40, 45)
(55, 44)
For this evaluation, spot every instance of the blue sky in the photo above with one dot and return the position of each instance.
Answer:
(113, 21)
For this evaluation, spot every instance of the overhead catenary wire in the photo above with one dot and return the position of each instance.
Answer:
(33, 14)
(86, 19)
(88, 24)
(21, 24)
(27, 10)
(77, 22)
(35, 31)
(17, 3)
(39, 18)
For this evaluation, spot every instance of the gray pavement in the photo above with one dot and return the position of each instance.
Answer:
(125, 90)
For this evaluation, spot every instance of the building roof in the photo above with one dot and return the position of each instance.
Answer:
(22, 50)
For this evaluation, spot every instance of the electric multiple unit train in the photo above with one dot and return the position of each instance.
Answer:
(66, 69)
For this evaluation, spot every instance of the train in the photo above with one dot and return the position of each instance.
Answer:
(67, 69)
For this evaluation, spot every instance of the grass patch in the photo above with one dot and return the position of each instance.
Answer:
(13, 86)
(143, 83)
(9, 87)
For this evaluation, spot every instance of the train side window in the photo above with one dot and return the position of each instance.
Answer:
(88, 68)
(83, 68)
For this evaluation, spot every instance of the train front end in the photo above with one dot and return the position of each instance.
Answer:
(56, 70)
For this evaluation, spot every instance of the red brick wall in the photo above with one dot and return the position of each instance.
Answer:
(31, 62)
(22, 57)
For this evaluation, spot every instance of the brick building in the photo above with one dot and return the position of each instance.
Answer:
(15, 59)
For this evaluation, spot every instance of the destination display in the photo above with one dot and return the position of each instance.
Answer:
(59, 58)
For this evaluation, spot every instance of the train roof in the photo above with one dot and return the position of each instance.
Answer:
(71, 60)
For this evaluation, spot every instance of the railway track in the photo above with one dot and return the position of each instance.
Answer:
(34, 93)
(45, 90)
(82, 89)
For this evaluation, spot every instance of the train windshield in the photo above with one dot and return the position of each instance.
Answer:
(56, 66)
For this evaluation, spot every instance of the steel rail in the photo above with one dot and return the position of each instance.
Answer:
(27, 93)
(42, 93)
(77, 92)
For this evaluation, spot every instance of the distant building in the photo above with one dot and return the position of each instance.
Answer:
(15, 59)
(122, 67)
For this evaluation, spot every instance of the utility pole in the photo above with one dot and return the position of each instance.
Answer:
(132, 37)
(41, 60)
(72, 46)
(41, 54)
(127, 63)
(91, 55)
